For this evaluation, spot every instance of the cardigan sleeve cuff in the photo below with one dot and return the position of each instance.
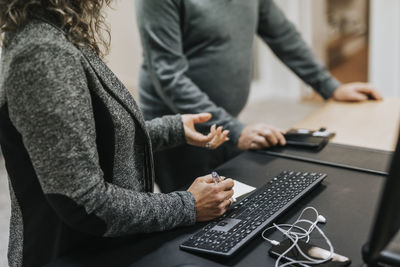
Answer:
(189, 208)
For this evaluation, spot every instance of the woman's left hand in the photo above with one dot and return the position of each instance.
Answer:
(214, 139)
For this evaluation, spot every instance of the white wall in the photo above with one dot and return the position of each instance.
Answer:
(274, 80)
(320, 28)
(125, 55)
(384, 64)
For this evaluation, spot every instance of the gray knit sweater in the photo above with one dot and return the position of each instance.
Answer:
(77, 151)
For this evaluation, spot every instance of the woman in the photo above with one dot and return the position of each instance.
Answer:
(77, 151)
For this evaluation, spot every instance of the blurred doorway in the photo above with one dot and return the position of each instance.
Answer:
(347, 39)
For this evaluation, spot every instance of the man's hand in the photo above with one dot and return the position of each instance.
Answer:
(260, 135)
(212, 200)
(355, 92)
(214, 139)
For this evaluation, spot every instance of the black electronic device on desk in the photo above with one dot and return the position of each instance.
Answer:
(308, 139)
(226, 235)
(383, 246)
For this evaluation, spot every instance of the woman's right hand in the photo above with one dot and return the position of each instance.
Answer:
(212, 200)
(213, 140)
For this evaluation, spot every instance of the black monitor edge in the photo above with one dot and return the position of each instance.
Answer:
(387, 217)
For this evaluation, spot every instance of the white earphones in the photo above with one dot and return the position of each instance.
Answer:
(321, 219)
(296, 236)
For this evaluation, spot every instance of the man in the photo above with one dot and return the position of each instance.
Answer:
(197, 58)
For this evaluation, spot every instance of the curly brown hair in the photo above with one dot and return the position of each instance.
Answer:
(82, 20)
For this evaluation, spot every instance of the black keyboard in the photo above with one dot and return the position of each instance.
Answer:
(228, 233)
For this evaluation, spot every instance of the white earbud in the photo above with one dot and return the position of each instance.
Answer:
(274, 242)
(321, 219)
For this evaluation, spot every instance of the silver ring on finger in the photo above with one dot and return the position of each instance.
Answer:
(230, 202)
(208, 145)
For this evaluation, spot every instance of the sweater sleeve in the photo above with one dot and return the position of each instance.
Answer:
(160, 30)
(288, 45)
(49, 104)
(166, 132)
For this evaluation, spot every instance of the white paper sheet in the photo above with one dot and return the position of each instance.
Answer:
(240, 189)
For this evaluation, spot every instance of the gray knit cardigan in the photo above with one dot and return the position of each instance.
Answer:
(77, 151)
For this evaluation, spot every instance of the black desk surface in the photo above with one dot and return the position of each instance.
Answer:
(347, 199)
(353, 157)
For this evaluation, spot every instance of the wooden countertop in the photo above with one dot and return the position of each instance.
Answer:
(372, 124)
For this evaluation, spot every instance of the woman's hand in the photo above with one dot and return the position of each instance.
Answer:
(214, 139)
(212, 200)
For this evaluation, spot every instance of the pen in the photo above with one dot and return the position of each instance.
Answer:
(218, 179)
